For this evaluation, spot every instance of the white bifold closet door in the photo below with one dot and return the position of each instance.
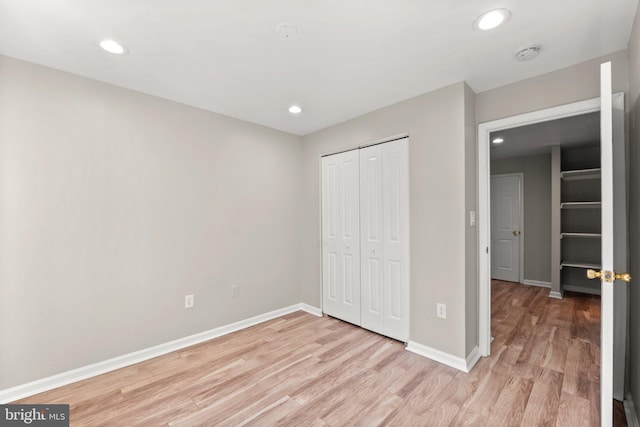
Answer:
(341, 236)
(383, 201)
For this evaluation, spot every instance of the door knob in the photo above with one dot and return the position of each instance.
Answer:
(373, 250)
(516, 232)
(608, 276)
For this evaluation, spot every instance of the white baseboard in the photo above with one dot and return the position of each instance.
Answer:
(582, 290)
(459, 363)
(473, 358)
(310, 309)
(537, 283)
(556, 294)
(64, 378)
(630, 411)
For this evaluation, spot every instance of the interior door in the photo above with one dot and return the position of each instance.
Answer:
(612, 348)
(341, 236)
(506, 193)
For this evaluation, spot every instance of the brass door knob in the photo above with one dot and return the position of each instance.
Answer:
(592, 274)
(608, 276)
(625, 277)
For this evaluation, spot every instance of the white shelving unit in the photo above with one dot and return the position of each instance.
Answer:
(578, 230)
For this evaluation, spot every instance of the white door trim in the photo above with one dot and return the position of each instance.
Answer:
(520, 175)
(484, 200)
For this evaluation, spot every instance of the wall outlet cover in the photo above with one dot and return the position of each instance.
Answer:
(188, 301)
(441, 310)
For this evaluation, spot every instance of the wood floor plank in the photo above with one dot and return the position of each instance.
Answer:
(304, 370)
(511, 404)
(544, 400)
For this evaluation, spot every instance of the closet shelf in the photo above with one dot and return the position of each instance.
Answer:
(563, 235)
(580, 174)
(580, 205)
(580, 264)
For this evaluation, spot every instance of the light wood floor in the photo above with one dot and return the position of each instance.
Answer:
(300, 370)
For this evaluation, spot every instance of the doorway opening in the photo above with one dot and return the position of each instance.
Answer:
(490, 130)
(485, 132)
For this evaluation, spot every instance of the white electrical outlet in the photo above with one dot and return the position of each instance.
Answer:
(188, 301)
(235, 291)
(441, 310)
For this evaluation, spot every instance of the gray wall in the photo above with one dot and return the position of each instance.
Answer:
(634, 133)
(115, 204)
(441, 190)
(537, 211)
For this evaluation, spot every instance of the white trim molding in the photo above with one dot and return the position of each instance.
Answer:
(310, 309)
(459, 363)
(630, 411)
(556, 294)
(538, 283)
(64, 378)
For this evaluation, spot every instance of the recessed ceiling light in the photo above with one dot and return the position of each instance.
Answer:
(491, 19)
(295, 109)
(498, 140)
(112, 46)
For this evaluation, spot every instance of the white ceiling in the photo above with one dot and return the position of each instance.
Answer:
(349, 57)
(540, 137)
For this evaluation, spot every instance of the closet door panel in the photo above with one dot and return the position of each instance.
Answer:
(371, 231)
(341, 236)
(396, 239)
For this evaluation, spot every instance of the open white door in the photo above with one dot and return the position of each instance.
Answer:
(611, 209)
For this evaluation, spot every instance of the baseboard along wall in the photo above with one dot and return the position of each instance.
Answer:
(82, 373)
(64, 378)
(580, 289)
(539, 283)
(462, 364)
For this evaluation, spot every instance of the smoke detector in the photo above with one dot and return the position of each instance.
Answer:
(286, 31)
(527, 53)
